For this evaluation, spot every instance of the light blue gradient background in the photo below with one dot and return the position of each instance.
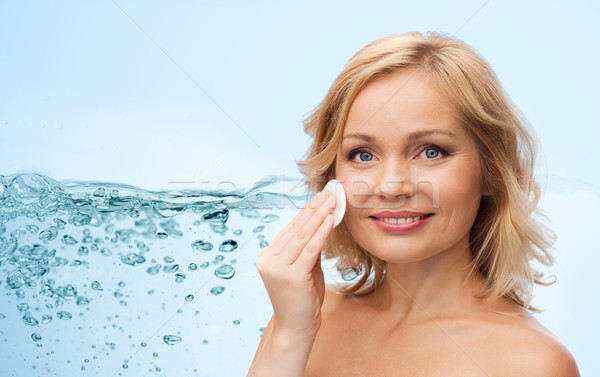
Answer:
(86, 95)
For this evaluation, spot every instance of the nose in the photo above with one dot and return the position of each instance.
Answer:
(394, 181)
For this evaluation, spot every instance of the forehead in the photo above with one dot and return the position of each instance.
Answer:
(404, 101)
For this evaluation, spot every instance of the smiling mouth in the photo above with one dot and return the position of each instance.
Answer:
(402, 220)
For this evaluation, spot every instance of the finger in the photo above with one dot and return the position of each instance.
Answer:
(298, 222)
(297, 242)
(311, 254)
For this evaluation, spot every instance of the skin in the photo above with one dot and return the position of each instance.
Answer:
(423, 320)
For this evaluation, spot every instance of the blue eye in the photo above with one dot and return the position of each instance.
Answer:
(432, 153)
(363, 155)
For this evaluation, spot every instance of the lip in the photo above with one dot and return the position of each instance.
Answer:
(400, 228)
(399, 215)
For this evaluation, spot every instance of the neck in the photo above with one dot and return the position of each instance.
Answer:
(438, 285)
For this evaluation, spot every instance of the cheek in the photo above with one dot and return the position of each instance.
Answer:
(358, 187)
(460, 193)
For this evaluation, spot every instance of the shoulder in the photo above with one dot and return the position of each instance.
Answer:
(529, 349)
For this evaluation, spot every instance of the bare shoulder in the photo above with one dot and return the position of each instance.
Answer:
(530, 349)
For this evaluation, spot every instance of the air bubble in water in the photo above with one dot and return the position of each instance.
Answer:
(350, 273)
(269, 218)
(30, 320)
(96, 286)
(225, 272)
(189, 298)
(217, 290)
(228, 246)
(217, 217)
(200, 245)
(69, 240)
(171, 339)
(36, 337)
(132, 259)
(154, 269)
(64, 315)
(192, 267)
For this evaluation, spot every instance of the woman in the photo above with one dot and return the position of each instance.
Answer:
(437, 165)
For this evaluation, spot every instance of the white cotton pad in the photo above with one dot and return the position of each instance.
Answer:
(337, 190)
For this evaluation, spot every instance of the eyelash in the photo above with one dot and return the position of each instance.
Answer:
(356, 151)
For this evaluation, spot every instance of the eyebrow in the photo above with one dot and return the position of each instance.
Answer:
(412, 136)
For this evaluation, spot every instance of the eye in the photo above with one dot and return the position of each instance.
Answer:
(363, 155)
(432, 152)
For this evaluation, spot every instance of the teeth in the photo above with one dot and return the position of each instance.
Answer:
(403, 220)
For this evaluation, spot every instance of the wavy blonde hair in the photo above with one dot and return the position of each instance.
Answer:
(507, 234)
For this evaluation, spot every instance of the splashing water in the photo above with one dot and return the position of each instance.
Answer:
(97, 277)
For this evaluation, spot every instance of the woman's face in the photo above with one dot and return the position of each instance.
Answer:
(404, 151)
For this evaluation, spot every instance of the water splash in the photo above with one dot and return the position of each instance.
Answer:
(111, 262)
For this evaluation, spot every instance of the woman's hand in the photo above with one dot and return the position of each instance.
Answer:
(290, 267)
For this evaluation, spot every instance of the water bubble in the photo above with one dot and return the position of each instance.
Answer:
(32, 228)
(263, 244)
(83, 251)
(29, 320)
(237, 232)
(154, 269)
(82, 300)
(258, 229)
(171, 269)
(200, 245)
(143, 344)
(46, 318)
(179, 277)
(29, 188)
(69, 240)
(36, 337)
(228, 246)
(217, 217)
(192, 267)
(236, 322)
(132, 259)
(269, 218)
(100, 192)
(64, 315)
(15, 279)
(171, 339)
(162, 235)
(96, 286)
(20, 294)
(217, 290)
(67, 292)
(225, 272)
(168, 259)
(350, 273)
(60, 223)
(80, 219)
(218, 259)
(48, 234)
(155, 354)
(204, 265)
(106, 252)
(189, 298)
(23, 307)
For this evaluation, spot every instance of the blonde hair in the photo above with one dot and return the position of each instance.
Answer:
(506, 235)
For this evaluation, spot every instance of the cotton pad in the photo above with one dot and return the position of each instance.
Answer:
(337, 190)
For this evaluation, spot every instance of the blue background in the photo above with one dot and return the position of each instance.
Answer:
(206, 95)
